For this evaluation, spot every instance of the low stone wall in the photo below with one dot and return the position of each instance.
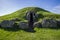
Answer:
(7, 23)
(46, 23)
(49, 23)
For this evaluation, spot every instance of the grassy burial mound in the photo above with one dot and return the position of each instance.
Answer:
(40, 34)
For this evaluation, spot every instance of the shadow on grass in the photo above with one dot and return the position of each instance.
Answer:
(10, 29)
(30, 30)
(27, 30)
(14, 29)
(55, 28)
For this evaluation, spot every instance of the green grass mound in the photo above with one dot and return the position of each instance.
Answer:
(40, 34)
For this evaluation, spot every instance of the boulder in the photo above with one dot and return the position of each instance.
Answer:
(49, 23)
(7, 24)
(23, 25)
(37, 24)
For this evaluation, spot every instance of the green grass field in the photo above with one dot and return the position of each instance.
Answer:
(40, 34)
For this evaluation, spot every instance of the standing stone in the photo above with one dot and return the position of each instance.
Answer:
(23, 25)
(49, 23)
(7, 24)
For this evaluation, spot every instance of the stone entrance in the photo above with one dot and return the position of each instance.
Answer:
(30, 21)
(31, 16)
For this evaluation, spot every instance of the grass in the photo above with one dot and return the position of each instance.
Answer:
(40, 34)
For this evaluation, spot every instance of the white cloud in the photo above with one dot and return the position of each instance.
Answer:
(56, 9)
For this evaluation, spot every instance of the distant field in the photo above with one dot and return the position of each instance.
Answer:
(40, 34)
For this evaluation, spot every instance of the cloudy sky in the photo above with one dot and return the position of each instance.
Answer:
(9, 6)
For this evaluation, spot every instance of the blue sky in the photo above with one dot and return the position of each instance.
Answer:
(9, 6)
